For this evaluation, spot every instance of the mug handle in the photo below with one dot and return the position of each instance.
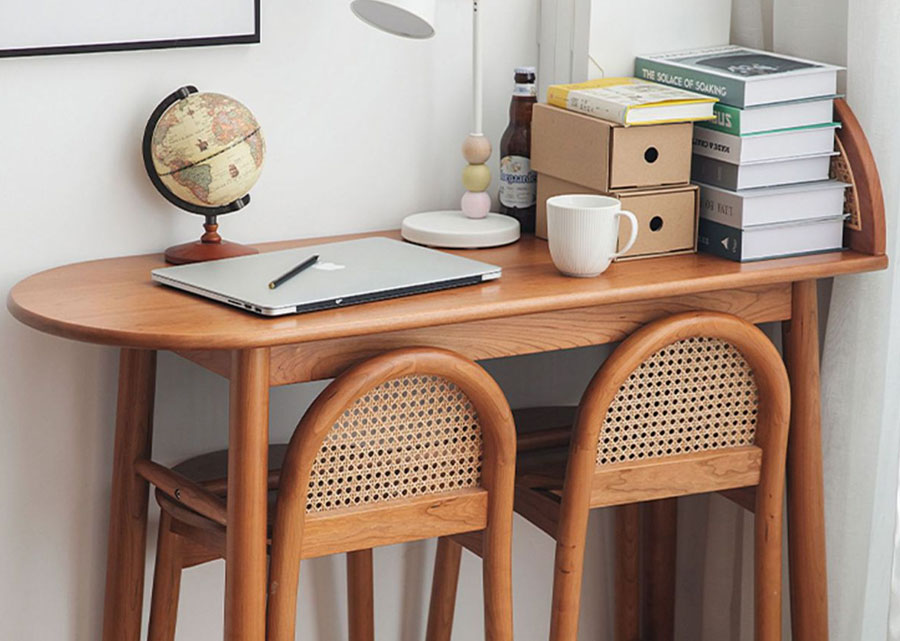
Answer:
(634, 233)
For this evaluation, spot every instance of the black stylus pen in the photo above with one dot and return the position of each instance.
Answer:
(309, 262)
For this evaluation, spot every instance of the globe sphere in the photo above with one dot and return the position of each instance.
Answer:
(208, 149)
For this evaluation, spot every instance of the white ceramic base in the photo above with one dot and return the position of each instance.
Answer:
(452, 230)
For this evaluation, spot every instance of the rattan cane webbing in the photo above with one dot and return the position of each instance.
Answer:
(694, 395)
(843, 171)
(410, 436)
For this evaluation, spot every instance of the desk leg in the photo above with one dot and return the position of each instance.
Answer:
(126, 547)
(248, 450)
(806, 499)
(659, 537)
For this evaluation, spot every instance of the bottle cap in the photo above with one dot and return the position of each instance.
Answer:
(526, 70)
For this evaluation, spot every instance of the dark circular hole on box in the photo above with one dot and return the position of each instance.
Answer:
(651, 154)
(656, 223)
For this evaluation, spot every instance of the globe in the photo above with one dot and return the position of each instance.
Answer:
(207, 150)
(204, 152)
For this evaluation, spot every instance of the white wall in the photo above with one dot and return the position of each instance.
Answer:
(362, 128)
(622, 30)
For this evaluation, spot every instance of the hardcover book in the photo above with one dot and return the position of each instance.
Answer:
(771, 241)
(770, 145)
(768, 205)
(781, 115)
(631, 101)
(760, 174)
(739, 76)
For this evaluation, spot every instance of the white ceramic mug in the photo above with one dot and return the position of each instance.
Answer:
(583, 231)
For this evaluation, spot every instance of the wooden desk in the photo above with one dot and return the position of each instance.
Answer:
(532, 308)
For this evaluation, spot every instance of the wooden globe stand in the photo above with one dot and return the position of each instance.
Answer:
(209, 247)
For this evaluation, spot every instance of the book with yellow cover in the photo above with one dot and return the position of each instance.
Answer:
(632, 101)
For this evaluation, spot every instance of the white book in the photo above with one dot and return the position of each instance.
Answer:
(777, 145)
(752, 207)
(740, 76)
(776, 240)
(718, 173)
(780, 115)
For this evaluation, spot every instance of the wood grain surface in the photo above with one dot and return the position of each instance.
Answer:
(872, 237)
(517, 335)
(114, 302)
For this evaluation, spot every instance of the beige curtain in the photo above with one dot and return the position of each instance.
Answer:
(861, 379)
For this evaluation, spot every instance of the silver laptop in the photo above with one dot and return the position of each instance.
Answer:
(347, 273)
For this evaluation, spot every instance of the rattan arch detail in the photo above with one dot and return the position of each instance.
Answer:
(694, 395)
(357, 405)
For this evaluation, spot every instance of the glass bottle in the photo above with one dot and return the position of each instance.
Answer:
(518, 183)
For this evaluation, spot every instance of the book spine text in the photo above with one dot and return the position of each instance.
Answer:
(715, 172)
(727, 119)
(721, 207)
(585, 103)
(715, 144)
(728, 90)
(719, 240)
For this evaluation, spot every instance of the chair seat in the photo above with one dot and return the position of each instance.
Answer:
(543, 445)
(546, 426)
(543, 434)
(539, 428)
(538, 419)
(211, 469)
(330, 531)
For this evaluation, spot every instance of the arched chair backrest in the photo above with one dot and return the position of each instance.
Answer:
(408, 423)
(691, 382)
(681, 387)
(696, 394)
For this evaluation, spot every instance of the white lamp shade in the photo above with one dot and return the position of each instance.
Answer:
(407, 18)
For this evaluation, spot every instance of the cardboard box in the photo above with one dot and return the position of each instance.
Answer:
(667, 216)
(605, 156)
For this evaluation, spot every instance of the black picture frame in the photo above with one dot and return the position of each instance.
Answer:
(137, 45)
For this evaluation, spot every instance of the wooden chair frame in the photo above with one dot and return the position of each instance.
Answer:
(586, 486)
(196, 514)
(559, 502)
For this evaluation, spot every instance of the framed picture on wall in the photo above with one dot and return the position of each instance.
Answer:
(50, 27)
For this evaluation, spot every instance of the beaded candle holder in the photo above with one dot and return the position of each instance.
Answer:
(477, 176)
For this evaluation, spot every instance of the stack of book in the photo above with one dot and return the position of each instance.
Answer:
(763, 163)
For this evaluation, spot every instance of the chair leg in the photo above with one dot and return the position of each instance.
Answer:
(567, 574)
(166, 582)
(360, 596)
(768, 535)
(496, 568)
(627, 577)
(443, 590)
(660, 534)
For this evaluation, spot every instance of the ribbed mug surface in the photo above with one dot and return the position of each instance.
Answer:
(583, 231)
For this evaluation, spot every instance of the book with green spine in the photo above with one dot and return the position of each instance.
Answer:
(781, 115)
(739, 76)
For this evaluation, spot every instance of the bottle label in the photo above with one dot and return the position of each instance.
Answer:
(525, 89)
(518, 183)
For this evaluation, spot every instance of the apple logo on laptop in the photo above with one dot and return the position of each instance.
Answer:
(328, 267)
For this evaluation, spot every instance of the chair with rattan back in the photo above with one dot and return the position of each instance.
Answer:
(413, 444)
(694, 403)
